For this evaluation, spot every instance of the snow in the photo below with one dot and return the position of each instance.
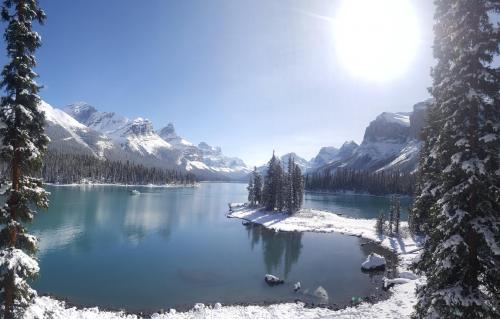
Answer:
(271, 279)
(402, 118)
(407, 154)
(398, 305)
(321, 293)
(60, 117)
(313, 220)
(373, 261)
(196, 164)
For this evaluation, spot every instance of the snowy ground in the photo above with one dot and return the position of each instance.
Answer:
(399, 305)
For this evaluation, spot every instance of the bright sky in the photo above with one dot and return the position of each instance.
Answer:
(249, 76)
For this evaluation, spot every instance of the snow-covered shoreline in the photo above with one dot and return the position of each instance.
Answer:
(398, 305)
(124, 185)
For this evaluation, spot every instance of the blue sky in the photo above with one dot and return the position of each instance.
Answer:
(250, 76)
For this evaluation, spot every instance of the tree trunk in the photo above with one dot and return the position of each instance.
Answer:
(9, 279)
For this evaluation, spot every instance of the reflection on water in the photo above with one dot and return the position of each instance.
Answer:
(358, 206)
(279, 248)
(175, 247)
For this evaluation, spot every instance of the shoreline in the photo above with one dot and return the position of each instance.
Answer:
(124, 185)
(353, 193)
(399, 303)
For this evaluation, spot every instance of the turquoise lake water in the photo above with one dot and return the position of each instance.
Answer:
(173, 247)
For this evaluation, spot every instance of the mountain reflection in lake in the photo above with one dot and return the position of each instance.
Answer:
(175, 247)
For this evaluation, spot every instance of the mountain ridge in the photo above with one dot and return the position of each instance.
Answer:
(81, 128)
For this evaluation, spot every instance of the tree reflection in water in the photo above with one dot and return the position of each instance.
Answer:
(281, 250)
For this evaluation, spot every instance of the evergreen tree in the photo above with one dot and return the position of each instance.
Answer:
(271, 184)
(377, 183)
(251, 191)
(391, 216)
(461, 255)
(257, 186)
(281, 188)
(380, 225)
(429, 169)
(22, 147)
(397, 214)
(290, 191)
(298, 188)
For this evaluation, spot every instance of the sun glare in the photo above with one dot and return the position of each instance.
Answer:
(376, 40)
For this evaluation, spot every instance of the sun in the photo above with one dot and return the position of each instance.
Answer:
(376, 40)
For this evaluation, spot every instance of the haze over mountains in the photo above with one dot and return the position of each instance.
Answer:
(82, 129)
(391, 141)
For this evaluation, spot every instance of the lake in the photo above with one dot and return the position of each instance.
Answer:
(355, 205)
(173, 247)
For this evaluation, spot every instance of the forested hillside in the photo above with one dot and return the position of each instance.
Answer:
(70, 168)
(376, 183)
(73, 168)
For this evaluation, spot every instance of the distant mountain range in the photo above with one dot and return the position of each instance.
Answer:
(391, 141)
(81, 129)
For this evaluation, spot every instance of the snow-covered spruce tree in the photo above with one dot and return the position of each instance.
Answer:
(280, 177)
(290, 205)
(391, 216)
(271, 184)
(257, 186)
(23, 143)
(461, 255)
(251, 191)
(298, 187)
(380, 224)
(397, 214)
(429, 169)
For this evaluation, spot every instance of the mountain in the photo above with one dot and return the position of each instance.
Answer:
(331, 154)
(82, 129)
(168, 134)
(301, 162)
(391, 141)
(67, 135)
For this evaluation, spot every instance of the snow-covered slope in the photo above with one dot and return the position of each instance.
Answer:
(168, 134)
(68, 135)
(104, 122)
(330, 154)
(164, 148)
(304, 165)
(391, 141)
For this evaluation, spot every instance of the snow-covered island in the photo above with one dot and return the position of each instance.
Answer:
(398, 305)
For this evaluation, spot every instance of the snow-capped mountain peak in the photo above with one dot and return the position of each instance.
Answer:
(168, 134)
(137, 139)
(104, 122)
(401, 118)
(139, 126)
(391, 141)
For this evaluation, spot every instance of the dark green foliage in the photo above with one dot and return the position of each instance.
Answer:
(283, 190)
(23, 143)
(376, 183)
(255, 188)
(251, 191)
(380, 225)
(396, 214)
(426, 193)
(458, 207)
(73, 168)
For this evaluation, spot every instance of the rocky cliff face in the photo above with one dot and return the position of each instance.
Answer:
(391, 141)
(82, 129)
